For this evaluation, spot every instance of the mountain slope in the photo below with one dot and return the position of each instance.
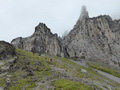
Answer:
(30, 71)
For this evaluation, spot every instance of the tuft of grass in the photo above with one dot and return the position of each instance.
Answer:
(3, 82)
(30, 86)
(18, 73)
(99, 88)
(39, 74)
(26, 84)
(70, 85)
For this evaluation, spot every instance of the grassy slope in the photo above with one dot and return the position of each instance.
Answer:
(29, 69)
(71, 85)
(90, 76)
(105, 69)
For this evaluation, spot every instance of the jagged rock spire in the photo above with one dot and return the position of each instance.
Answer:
(84, 13)
(41, 41)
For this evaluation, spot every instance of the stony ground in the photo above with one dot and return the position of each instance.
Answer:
(28, 71)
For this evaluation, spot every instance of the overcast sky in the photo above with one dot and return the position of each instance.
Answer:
(19, 17)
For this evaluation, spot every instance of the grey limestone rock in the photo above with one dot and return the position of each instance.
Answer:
(42, 41)
(96, 38)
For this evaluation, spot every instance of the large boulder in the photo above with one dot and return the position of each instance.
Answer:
(6, 50)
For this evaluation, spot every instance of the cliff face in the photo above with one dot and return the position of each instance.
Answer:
(42, 41)
(95, 38)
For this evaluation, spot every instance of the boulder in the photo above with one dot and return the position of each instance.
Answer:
(6, 50)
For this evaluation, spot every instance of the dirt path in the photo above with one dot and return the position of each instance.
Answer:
(109, 76)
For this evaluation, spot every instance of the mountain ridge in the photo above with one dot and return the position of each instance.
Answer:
(41, 41)
(87, 58)
(91, 38)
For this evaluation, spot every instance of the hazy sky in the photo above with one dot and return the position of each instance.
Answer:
(19, 17)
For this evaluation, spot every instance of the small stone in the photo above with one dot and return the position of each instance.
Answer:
(43, 81)
(83, 71)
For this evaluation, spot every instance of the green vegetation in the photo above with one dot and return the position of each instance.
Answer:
(78, 68)
(16, 74)
(75, 59)
(30, 86)
(70, 66)
(99, 87)
(2, 82)
(105, 69)
(34, 61)
(23, 83)
(29, 69)
(28, 65)
(71, 85)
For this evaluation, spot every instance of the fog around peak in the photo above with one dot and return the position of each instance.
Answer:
(84, 13)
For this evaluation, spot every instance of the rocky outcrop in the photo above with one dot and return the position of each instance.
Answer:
(96, 39)
(42, 41)
(7, 57)
(6, 50)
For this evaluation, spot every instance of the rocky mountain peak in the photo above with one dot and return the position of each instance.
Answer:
(96, 38)
(83, 16)
(42, 29)
(84, 13)
(42, 41)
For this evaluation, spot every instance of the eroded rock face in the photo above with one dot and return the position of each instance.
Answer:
(95, 38)
(42, 41)
(6, 50)
(7, 57)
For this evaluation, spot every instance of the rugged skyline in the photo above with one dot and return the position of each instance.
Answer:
(86, 58)
(95, 39)
(18, 18)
